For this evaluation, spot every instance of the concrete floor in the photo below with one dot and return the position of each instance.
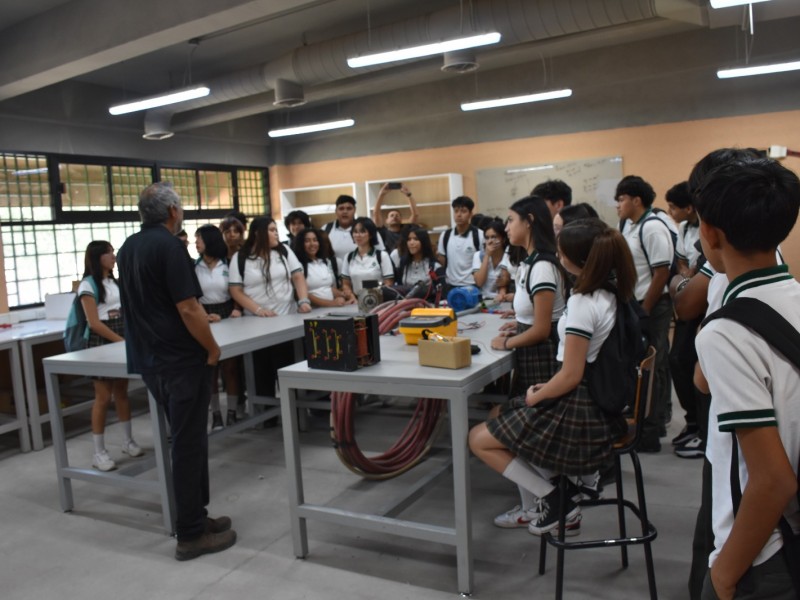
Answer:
(113, 544)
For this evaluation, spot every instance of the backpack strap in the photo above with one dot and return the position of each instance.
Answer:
(476, 238)
(641, 237)
(547, 256)
(446, 240)
(329, 226)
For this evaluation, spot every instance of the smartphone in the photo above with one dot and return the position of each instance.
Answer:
(394, 185)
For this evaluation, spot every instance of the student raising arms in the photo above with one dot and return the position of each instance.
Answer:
(556, 428)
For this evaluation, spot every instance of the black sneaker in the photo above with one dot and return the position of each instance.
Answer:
(687, 433)
(548, 516)
(230, 419)
(693, 448)
(649, 445)
(216, 421)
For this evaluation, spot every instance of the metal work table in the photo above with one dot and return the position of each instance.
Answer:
(20, 422)
(398, 374)
(28, 334)
(234, 336)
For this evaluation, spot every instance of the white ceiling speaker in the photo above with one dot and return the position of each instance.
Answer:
(459, 61)
(288, 94)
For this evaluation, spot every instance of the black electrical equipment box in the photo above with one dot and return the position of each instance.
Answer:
(342, 342)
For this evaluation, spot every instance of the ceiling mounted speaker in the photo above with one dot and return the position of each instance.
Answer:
(288, 94)
(459, 61)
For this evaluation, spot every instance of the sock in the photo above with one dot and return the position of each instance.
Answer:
(126, 431)
(524, 476)
(529, 500)
(99, 440)
(215, 402)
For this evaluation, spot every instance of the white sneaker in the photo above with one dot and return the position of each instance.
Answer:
(132, 449)
(103, 462)
(516, 517)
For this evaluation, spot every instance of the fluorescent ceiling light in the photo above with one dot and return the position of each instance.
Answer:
(311, 128)
(517, 100)
(162, 100)
(727, 3)
(759, 70)
(483, 39)
(526, 169)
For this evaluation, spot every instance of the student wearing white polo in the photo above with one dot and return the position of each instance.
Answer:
(650, 242)
(366, 262)
(746, 210)
(340, 231)
(458, 245)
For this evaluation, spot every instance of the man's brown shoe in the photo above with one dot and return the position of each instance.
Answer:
(207, 543)
(218, 525)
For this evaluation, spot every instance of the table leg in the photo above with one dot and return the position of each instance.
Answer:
(459, 429)
(34, 417)
(59, 439)
(163, 463)
(20, 405)
(294, 469)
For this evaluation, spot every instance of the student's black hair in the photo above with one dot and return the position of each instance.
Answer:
(297, 215)
(92, 267)
(232, 222)
(257, 245)
(754, 203)
(534, 210)
(633, 186)
(345, 199)
(575, 212)
(603, 256)
(325, 252)
(369, 225)
(426, 247)
(679, 195)
(239, 216)
(714, 159)
(499, 228)
(463, 202)
(213, 241)
(554, 190)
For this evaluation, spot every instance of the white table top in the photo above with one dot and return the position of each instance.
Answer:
(30, 330)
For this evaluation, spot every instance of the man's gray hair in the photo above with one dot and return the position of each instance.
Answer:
(155, 202)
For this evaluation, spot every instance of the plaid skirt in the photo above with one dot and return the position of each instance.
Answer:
(117, 325)
(534, 364)
(570, 435)
(223, 309)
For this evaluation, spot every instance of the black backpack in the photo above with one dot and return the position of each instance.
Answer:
(476, 240)
(768, 324)
(612, 376)
(673, 267)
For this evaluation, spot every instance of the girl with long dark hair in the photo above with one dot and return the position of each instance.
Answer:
(313, 250)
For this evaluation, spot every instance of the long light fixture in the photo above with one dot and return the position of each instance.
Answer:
(759, 70)
(161, 100)
(541, 96)
(727, 3)
(483, 39)
(311, 128)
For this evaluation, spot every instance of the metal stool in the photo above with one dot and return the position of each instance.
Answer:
(624, 445)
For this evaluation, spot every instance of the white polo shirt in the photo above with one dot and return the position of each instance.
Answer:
(112, 300)
(459, 253)
(320, 279)
(685, 249)
(214, 282)
(278, 294)
(366, 268)
(342, 241)
(751, 386)
(591, 316)
(489, 288)
(657, 244)
(544, 276)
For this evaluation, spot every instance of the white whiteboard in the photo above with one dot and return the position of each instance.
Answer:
(593, 180)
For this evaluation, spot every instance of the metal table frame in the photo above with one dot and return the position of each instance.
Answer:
(9, 424)
(397, 374)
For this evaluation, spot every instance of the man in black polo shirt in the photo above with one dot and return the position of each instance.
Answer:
(169, 342)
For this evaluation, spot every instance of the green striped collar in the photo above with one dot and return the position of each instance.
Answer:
(755, 278)
(532, 258)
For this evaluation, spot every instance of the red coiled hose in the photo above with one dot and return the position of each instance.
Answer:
(418, 435)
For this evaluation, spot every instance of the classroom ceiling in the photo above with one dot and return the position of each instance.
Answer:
(245, 49)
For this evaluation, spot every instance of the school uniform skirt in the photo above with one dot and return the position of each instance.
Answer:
(223, 309)
(570, 435)
(115, 324)
(534, 364)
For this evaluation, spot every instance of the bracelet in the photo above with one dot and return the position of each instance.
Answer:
(505, 343)
(304, 301)
(408, 195)
(258, 310)
(682, 284)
